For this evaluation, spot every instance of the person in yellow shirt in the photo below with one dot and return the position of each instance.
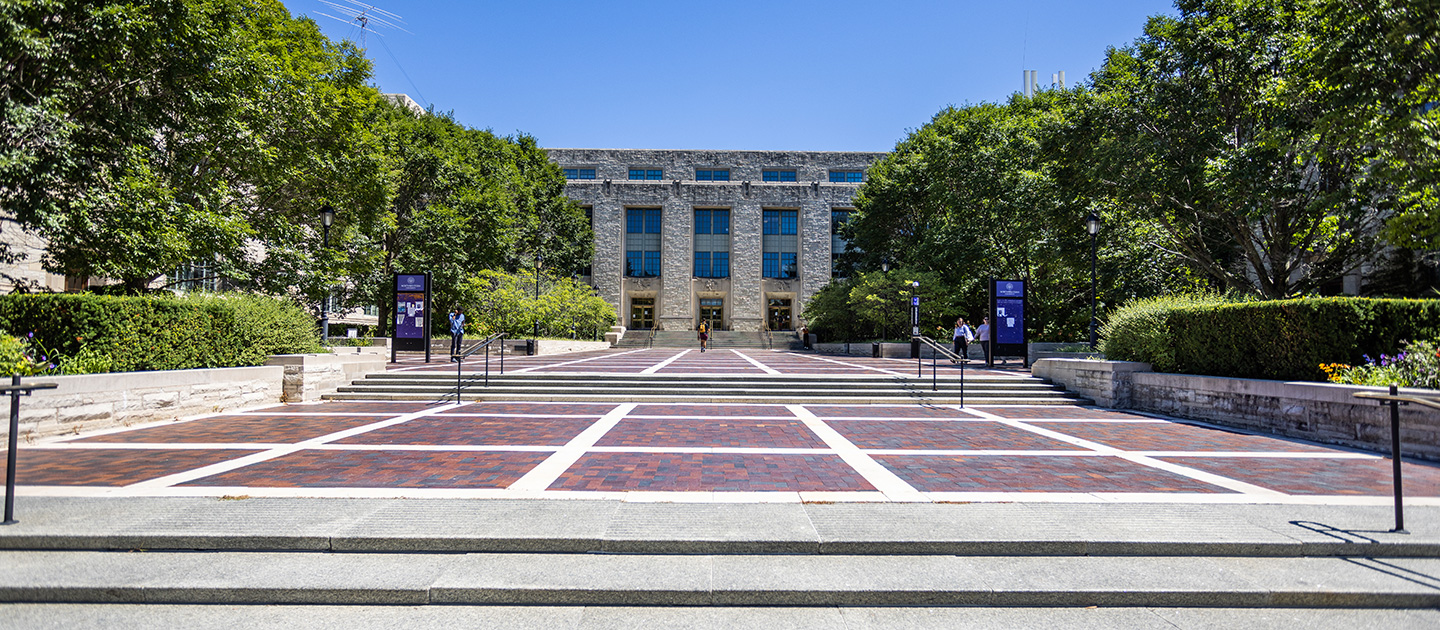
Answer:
(704, 330)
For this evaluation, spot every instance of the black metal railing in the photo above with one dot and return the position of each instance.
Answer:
(483, 344)
(15, 390)
(650, 338)
(1394, 400)
(936, 351)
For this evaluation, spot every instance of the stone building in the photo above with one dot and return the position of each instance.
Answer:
(741, 239)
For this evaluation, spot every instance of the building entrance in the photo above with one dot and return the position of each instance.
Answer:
(712, 311)
(642, 313)
(779, 314)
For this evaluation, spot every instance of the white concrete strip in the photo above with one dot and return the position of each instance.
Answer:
(545, 473)
(892, 485)
(767, 369)
(154, 446)
(732, 450)
(552, 365)
(979, 453)
(522, 416)
(857, 365)
(467, 448)
(1267, 454)
(227, 466)
(658, 366)
(1199, 475)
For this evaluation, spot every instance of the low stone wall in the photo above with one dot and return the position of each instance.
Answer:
(97, 401)
(1321, 412)
(309, 376)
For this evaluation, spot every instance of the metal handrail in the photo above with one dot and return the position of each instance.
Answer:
(936, 351)
(1394, 400)
(650, 338)
(482, 344)
(15, 390)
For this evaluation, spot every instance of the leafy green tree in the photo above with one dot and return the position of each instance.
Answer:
(1375, 68)
(500, 302)
(1200, 128)
(140, 136)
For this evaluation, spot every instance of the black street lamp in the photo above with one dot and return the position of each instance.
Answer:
(1092, 224)
(327, 218)
(537, 295)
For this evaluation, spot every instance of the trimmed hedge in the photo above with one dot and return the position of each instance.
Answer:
(1289, 339)
(157, 333)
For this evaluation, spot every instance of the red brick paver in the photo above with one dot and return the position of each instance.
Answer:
(932, 434)
(466, 430)
(240, 429)
(1175, 436)
(381, 469)
(712, 433)
(939, 473)
(710, 472)
(1320, 476)
(110, 467)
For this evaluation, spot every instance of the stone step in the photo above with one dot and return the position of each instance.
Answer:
(478, 394)
(713, 580)
(758, 379)
(497, 385)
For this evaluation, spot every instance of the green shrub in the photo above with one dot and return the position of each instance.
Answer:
(1139, 330)
(273, 325)
(1278, 339)
(125, 334)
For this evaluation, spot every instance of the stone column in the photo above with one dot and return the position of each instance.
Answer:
(814, 252)
(608, 266)
(676, 256)
(747, 302)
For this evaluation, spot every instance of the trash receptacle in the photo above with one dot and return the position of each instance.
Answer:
(875, 350)
(530, 347)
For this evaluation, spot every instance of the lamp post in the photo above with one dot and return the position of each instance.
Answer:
(884, 268)
(537, 294)
(327, 218)
(1092, 225)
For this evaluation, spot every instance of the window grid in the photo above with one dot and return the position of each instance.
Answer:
(779, 221)
(579, 173)
(712, 264)
(650, 174)
(847, 177)
(778, 176)
(778, 264)
(712, 175)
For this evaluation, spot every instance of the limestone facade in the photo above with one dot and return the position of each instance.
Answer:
(748, 300)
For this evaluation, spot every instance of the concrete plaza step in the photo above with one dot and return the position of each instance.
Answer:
(610, 553)
(712, 580)
(797, 389)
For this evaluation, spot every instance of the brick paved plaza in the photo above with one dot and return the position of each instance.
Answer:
(706, 451)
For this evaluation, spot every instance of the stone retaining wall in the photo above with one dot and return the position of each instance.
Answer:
(1321, 412)
(96, 401)
(310, 376)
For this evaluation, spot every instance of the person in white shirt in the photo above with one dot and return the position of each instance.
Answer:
(982, 335)
(964, 334)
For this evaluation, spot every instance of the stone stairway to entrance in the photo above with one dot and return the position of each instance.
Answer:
(989, 389)
(779, 340)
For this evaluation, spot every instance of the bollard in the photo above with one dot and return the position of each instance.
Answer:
(10, 455)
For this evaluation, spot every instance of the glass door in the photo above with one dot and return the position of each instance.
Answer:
(712, 312)
(779, 314)
(642, 313)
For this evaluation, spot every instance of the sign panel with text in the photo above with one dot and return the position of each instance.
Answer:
(412, 312)
(1007, 318)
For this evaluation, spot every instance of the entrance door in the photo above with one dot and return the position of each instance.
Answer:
(779, 314)
(642, 313)
(712, 311)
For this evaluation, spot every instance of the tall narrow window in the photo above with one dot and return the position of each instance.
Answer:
(642, 242)
(837, 242)
(779, 243)
(712, 243)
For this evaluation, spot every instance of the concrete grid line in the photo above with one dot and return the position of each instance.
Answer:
(661, 365)
(1176, 469)
(858, 366)
(241, 462)
(887, 482)
(552, 365)
(755, 362)
(545, 473)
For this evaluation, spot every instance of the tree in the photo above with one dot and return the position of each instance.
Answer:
(140, 136)
(976, 193)
(1203, 130)
(1375, 67)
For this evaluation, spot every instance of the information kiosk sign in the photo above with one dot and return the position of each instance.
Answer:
(1007, 318)
(412, 314)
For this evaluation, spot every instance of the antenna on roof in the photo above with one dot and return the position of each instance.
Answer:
(365, 17)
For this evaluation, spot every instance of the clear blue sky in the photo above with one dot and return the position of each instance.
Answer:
(835, 75)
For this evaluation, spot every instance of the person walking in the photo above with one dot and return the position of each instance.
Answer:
(964, 334)
(982, 335)
(704, 330)
(457, 332)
